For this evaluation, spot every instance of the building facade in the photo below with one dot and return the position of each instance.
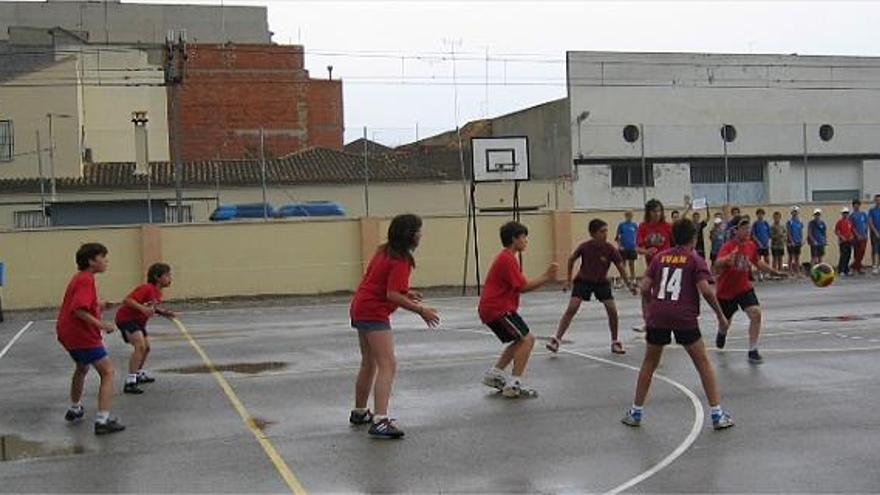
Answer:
(744, 129)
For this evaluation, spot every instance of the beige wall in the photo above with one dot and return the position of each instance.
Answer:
(26, 101)
(280, 257)
(386, 199)
(107, 109)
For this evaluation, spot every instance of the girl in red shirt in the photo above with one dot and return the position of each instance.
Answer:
(384, 288)
(654, 236)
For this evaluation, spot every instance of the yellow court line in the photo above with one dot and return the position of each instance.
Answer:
(286, 473)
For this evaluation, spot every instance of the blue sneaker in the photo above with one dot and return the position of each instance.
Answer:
(722, 421)
(632, 418)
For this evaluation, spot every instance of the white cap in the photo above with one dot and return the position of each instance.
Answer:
(817, 211)
(795, 208)
(845, 210)
(717, 221)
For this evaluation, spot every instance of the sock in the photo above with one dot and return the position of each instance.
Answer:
(76, 406)
(102, 417)
(497, 371)
(131, 378)
(637, 409)
(378, 418)
(360, 410)
(142, 373)
(753, 347)
(716, 411)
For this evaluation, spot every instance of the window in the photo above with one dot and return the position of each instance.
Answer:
(712, 172)
(171, 213)
(630, 174)
(7, 141)
(30, 219)
(846, 195)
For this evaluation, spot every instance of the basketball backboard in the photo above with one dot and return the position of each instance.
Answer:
(498, 159)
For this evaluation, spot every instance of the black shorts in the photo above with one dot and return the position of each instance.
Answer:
(778, 252)
(663, 336)
(584, 290)
(127, 327)
(794, 250)
(742, 301)
(817, 251)
(509, 327)
(629, 254)
(763, 252)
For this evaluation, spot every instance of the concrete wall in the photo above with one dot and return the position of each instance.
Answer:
(386, 199)
(117, 22)
(592, 187)
(547, 127)
(741, 193)
(289, 257)
(26, 101)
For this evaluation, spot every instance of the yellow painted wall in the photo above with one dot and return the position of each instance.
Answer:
(38, 265)
(278, 257)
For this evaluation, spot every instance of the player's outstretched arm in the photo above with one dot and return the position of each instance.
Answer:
(548, 276)
(571, 261)
(708, 294)
(430, 315)
(764, 267)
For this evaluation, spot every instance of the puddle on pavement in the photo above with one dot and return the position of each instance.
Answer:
(14, 448)
(872, 316)
(244, 368)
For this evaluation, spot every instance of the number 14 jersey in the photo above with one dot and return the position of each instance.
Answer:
(675, 300)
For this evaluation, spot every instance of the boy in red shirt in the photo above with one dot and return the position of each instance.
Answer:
(131, 319)
(734, 288)
(671, 290)
(596, 257)
(498, 310)
(79, 329)
(845, 236)
(384, 288)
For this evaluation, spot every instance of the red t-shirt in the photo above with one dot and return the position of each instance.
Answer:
(73, 332)
(734, 280)
(146, 294)
(384, 273)
(654, 234)
(675, 299)
(596, 258)
(503, 285)
(844, 230)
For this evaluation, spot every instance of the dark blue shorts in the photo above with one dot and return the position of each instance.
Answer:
(127, 327)
(88, 356)
(370, 326)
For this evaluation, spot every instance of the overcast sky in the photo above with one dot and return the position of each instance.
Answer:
(396, 64)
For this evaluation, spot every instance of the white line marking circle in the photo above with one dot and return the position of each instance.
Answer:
(16, 337)
(699, 417)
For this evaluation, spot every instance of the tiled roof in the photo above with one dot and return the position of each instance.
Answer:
(310, 166)
(356, 147)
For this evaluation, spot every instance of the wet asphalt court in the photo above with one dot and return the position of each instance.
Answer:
(806, 419)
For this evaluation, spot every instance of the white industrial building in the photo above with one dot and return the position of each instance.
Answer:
(801, 128)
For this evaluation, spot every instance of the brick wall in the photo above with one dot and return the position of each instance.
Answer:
(231, 91)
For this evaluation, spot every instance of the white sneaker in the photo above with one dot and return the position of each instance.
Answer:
(494, 379)
(516, 389)
(639, 328)
(876, 270)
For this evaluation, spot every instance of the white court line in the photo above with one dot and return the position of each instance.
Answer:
(17, 335)
(682, 447)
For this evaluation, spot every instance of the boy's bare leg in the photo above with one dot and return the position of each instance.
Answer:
(78, 382)
(522, 354)
(507, 355)
(755, 317)
(138, 353)
(105, 394)
(613, 320)
(646, 373)
(574, 305)
(697, 352)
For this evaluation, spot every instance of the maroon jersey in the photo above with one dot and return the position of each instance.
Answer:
(596, 258)
(675, 300)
